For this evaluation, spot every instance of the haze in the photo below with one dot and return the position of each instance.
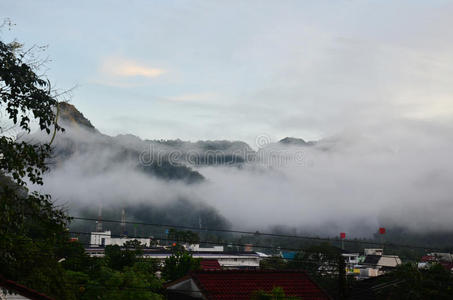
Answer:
(372, 81)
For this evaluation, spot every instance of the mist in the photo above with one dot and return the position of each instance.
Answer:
(396, 174)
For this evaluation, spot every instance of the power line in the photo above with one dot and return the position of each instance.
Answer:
(257, 233)
(312, 261)
(234, 244)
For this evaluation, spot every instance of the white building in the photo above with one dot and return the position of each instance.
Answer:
(374, 251)
(226, 260)
(197, 248)
(102, 239)
(351, 258)
(243, 260)
(352, 261)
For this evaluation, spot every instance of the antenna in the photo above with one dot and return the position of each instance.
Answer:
(123, 222)
(99, 221)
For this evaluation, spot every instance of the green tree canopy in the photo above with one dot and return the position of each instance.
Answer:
(31, 228)
(179, 264)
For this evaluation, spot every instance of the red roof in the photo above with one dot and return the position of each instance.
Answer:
(22, 290)
(210, 264)
(427, 258)
(240, 284)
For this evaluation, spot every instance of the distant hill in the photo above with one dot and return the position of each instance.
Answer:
(295, 142)
(82, 139)
(70, 115)
(165, 159)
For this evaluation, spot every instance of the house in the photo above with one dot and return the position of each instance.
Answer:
(17, 291)
(351, 261)
(391, 261)
(241, 284)
(373, 251)
(376, 265)
(444, 259)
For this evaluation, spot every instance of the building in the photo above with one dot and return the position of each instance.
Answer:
(444, 259)
(352, 263)
(241, 284)
(197, 248)
(227, 260)
(104, 238)
(391, 261)
(373, 251)
(376, 263)
(288, 255)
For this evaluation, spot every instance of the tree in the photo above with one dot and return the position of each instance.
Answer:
(117, 259)
(273, 263)
(277, 293)
(183, 236)
(325, 264)
(178, 265)
(408, 282)
(24, 95)
(31, 228)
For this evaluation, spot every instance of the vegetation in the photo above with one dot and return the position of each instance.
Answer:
(32, 229)
(35, 248)
(276, 294)
(409, 282)
(179, 265)
(120, 274)
(183, 236)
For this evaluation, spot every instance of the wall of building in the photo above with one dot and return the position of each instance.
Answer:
(105, 239)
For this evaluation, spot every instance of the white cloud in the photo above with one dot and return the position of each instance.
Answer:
(114, 66)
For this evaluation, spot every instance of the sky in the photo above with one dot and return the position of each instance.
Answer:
(236, 70)
(372, 80)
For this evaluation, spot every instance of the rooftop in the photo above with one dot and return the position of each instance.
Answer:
(240, 284)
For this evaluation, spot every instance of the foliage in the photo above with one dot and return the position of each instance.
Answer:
(277, 293)
(183, 236)
(273, 263)
(35, 249)
(117, 259)
(408, 282)
(31, 228)
(178, 265)
(24, 95)
(320, 258)
(325, 265)
(115, 276)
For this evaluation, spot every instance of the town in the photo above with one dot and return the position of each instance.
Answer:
(226, 149)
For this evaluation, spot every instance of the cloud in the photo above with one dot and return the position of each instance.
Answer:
(393, 174)
(120, 67)
(196, 97)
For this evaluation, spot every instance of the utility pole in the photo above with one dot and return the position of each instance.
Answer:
(342, 237)
(123, 222)
(382, 232)
(341, 277)
(99, 221)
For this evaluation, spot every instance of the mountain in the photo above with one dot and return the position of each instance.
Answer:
(164, 159)
(97, 152)
(291, 141)
(70, 115)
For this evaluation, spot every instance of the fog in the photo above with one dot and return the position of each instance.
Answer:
(393, 174)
